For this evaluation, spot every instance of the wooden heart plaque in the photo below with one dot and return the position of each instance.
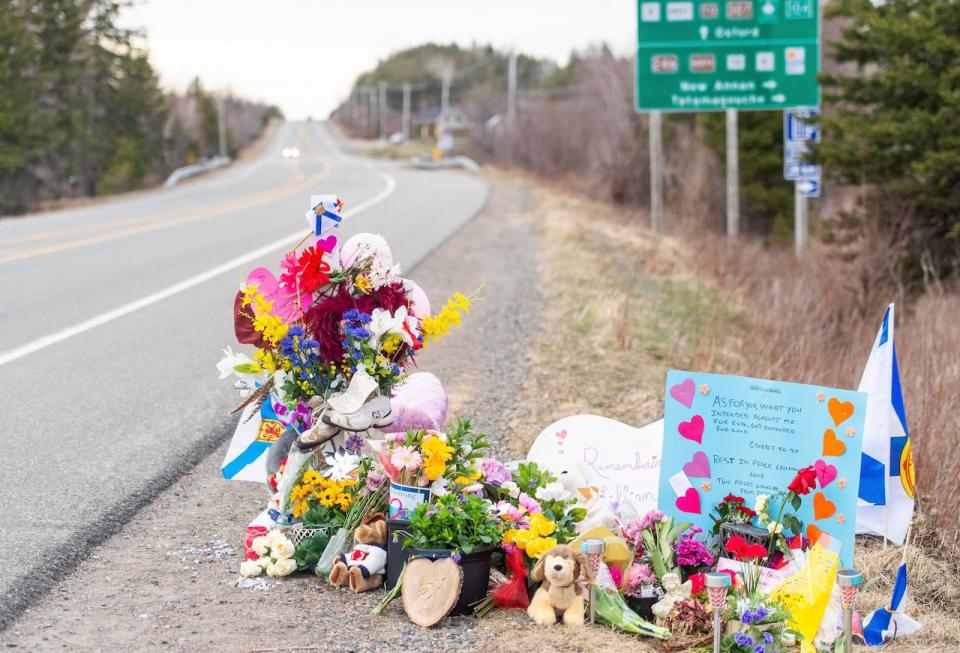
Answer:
(430, 589)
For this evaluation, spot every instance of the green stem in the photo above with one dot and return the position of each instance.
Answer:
(773, 535)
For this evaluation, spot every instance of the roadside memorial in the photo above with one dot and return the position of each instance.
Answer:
(747, 487)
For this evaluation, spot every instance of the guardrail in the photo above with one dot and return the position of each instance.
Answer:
(429, 163)
(195, 169)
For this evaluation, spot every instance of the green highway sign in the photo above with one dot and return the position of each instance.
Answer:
(711, 55)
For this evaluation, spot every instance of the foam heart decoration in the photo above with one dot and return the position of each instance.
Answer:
(825, 473)
(327, 243)
(430, 589)
(285, 304)
(683, 392)
(698, 467)
(814, 534)
(689, 502)
(839, 410)
(561, 434)
(692, 430)
(822, 506)
(831, 445)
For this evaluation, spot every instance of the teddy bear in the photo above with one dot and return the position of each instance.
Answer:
(559, 594)
(363, 567)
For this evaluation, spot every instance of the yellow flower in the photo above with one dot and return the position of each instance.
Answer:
(363, 284)
(344, 502)
(523, 538)
(312, 477)
(327, 498)
(467, 479)
(433, 468)
(541, 525)
(391, 344)
(539, 546)
(460, 301)
(434, 446)
(510, 536)
(436, 326)
(299, 508)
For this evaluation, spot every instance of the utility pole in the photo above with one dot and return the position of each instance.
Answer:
(733, 176)
(383, 111)
(222, 124)
(655, 138)
(445, 92)
(405, 121)
(512, 90)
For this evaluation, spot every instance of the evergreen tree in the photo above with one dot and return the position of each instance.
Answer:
(895, 126)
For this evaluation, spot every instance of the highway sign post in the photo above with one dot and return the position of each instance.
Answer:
(799, 133)
(724, 55)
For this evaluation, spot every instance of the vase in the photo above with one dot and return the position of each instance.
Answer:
(475, 567)
(340, 543)
(396, 554)
(404, 499)
(642, 605)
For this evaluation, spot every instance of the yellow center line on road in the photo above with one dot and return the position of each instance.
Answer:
(295, 185)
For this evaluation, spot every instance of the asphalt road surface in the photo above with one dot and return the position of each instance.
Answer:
(112, 318)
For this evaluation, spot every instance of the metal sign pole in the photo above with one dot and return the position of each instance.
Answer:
(656, 171)
(733, 176)
(799, 219)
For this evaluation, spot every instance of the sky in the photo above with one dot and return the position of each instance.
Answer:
(303, 55)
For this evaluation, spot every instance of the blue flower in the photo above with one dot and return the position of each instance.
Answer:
(456, 557)
(768, 638)
(353, 443)
(759, 648)
(747, 617)
(761, 613)
(296, 331)
(743, 639)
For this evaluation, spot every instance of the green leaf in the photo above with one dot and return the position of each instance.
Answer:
(795, 501)
(247, 368)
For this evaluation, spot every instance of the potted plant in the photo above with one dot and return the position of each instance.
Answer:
(462, 527)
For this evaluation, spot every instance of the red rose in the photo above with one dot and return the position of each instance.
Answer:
(747, 512)
(754, 552)
(736, 544)
(697, 583)
(732, 498)
(795, 542)
(804, 481)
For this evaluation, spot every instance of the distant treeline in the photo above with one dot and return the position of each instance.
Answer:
(81, 110)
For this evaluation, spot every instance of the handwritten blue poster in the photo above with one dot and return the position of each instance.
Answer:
(737, 435)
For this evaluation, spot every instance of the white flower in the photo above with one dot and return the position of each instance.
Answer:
(439, 487)
(760, 505)
(284, 567)
(271, 569)
(342, 465)
(382, 323)
(552, 492)
(511, 489)
(261, 545)
(283, 548)
(229, 362)
(250, 568)
(476, 464)
(774, 527)
(274, 536)
(264, 562)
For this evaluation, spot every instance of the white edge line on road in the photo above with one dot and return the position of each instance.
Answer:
(186, 284)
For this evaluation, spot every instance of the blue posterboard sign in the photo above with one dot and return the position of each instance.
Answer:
(799, 133)
(737, 435)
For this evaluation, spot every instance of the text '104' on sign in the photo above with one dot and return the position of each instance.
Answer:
(712, 55)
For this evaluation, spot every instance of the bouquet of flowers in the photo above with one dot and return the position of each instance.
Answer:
(271, 554)
(760, 623)
(731, 511)
(442, 461)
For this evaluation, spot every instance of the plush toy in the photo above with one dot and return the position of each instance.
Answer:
(559, 594)
(570, 473)
(363, 567)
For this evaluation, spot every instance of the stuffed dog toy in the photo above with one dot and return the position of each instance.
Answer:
(558, 572)
(363, 567)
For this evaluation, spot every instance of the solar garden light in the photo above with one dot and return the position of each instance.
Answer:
(717, 585)
(594, 547)
(849, 581)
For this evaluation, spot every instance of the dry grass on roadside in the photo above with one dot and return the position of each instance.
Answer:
(623, 305)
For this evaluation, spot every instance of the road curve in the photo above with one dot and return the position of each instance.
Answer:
(112, 317)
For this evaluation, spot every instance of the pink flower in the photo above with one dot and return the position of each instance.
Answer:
(530, 504)
(406, 458)
(651, 519)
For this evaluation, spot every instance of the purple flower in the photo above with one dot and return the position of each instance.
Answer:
(743, 639)
(692, 553)
(767, 637)
(494, 472)
(375, 481)
(456, 557)
(353, 443)
(759, 648)
(748, 618)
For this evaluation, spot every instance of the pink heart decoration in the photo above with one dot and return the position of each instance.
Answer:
(699, 467)
(561, 434)
(327, 243)
(692, 430)
(683, 392)
(825, 473)
(285, 305)
(689, 502)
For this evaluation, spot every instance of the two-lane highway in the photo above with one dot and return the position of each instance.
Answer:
(112, 317)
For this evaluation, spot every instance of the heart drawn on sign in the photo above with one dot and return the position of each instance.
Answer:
(822, 506)
(689, 502)
(561, 435)
(839, 410)
(814, 533)
(683, 392)
(825, 473)
(692, 430)
(831, 445)
(698, 467)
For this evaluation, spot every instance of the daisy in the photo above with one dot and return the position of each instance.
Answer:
(406, 458)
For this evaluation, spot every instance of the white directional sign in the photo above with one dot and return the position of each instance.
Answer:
(808, 187)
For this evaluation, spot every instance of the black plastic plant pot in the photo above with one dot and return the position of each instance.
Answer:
(396, 554)
(642, 605)
(476, 573)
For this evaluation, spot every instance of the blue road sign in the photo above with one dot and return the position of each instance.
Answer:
(809, 187)
(797, 125)
(798, 135)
